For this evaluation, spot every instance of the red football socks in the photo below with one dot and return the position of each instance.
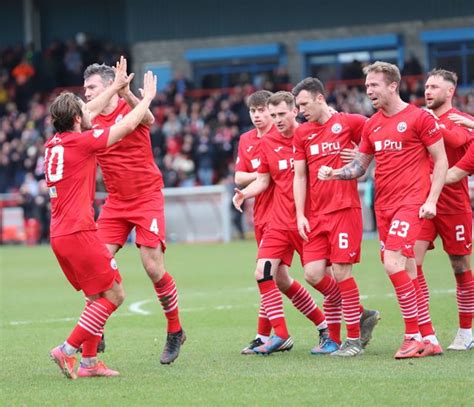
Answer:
(273, 303)
(465, 298)
(423, 285)
(302, 300)
(406, 297)
(168, 295)
(92, 321)
(350, 307)
(264, 327)
(424, 320)
(332, 306)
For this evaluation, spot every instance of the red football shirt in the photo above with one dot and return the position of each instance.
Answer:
(321, 145)
(128, 166)
(248, 160)
(70, 167)
(467, 162)
(277, 160)
(455, 197)
(398, 142)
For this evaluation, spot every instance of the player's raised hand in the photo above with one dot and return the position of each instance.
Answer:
(348, 154)
(303, 227)
(238, 199)
(325, 173)
(427, 211)
(149, 86)
(122, 80)
(461, 120)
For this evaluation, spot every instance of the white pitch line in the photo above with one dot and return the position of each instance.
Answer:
(135, 309)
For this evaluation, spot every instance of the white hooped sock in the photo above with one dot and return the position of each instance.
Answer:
(68, 349)
(432, 339)
(322, 325)
(262, 337)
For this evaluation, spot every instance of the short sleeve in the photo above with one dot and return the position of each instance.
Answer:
(467, 162)
(95, 139)
(241, 163)
(263, 168)
(366, 146)
(356, 123)
(299, 148)
(428, 130)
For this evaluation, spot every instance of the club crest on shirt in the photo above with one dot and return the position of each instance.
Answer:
(336, 128)
(113, 264)
(402, 127)
(119, 118)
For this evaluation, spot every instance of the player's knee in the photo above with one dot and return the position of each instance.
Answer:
(283, 282)
(342, 272)
(154, 269)
(460, 264)
(263, 271)
(313, 277)
(115, 295)
(120, 298)
(391, 267)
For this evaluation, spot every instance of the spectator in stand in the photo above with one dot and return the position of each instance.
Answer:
(412, 66)
(204, 156)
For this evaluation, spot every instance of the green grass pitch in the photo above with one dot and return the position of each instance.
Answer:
(219, 302)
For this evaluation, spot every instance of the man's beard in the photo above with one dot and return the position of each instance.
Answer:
(435, 103)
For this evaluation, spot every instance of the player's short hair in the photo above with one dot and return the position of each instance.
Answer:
(63, 111)
(282, 96)
(445, 74)
(390, 72)
(258, 98)
(312, 85)
(105, 72)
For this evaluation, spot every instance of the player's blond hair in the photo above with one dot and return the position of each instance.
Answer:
(282, 96)
(64, 109)
(390, 72)
(445, 74)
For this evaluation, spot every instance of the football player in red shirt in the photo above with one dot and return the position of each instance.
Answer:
(248, 161)
(280, 237)
(401, 137)
(331, 228)
(453, 220)
(70, 169)
(135, 199)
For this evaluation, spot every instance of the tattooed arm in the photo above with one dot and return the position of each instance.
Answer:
(354, 169)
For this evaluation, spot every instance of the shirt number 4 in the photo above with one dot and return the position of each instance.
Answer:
(399, 228)
(154, 226)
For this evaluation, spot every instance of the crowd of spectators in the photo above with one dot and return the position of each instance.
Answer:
(194, 137)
